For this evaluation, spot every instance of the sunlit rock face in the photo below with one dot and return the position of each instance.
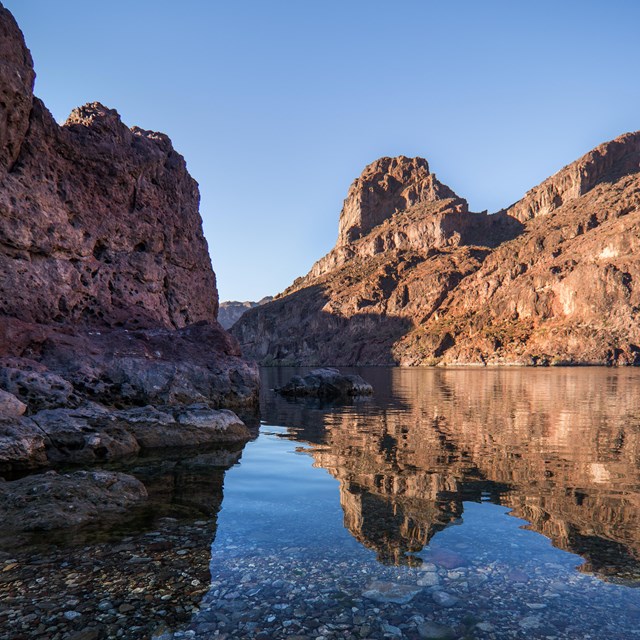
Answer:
(385, 187)
(560, 447)
(405, 241)
(415, 278)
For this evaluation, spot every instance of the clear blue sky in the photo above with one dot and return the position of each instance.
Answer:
(278, 105)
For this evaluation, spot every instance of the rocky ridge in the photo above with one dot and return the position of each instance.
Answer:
(417, 279)
(109, 342)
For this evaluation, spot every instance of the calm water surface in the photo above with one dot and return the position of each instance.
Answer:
(465, 503)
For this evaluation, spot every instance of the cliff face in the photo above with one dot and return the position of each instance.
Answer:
(99, 223)
(424, 281)
(565, 290)
(107, 294)
(386, 186)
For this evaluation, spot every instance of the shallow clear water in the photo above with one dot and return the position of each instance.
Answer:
(467, 503)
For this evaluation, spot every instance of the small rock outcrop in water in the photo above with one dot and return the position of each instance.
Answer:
(231, 311)
(109, 342)
(417, 279)
(326, 383)
(54, 501)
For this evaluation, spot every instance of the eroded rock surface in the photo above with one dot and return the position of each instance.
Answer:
(415, 278)
(10, 406)
(107, 296)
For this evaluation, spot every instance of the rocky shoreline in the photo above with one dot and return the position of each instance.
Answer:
(109, 341)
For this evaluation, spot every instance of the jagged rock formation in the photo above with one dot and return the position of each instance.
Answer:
(107, 295)
(385, 187)
(231, 311)
(424, 281)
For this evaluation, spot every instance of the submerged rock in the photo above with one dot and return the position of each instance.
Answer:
(326, 383)
(53, 501)
(430, 630)
(391, 592)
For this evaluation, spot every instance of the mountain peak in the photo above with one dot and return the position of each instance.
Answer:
(384, 187)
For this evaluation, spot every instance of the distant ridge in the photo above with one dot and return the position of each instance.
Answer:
(232, 310)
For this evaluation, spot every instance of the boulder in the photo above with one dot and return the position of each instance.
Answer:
(326, 383)
(88, 434)
(22, 445)
(50, 500)
(10, 406)
(189, 426)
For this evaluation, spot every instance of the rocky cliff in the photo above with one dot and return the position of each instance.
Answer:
(416, 278)
(108, 301)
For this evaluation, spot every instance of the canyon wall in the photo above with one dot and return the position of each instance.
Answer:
(417, 279)
(99, 222)
(107, 296)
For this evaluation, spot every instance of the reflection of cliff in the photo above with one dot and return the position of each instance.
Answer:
(559, 446)
(567, 442)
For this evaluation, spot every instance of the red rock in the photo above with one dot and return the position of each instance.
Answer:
(551, 280)
(385, 187)
(107, 294)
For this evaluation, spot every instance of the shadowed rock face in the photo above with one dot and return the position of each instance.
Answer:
(99, 223)
(17, 77)
(107, 295)
(415, 278)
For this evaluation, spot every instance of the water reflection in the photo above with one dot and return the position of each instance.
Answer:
(561, 447)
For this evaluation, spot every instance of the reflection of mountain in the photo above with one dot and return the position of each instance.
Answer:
(559, 446)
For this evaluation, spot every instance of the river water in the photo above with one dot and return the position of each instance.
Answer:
(454, 503)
